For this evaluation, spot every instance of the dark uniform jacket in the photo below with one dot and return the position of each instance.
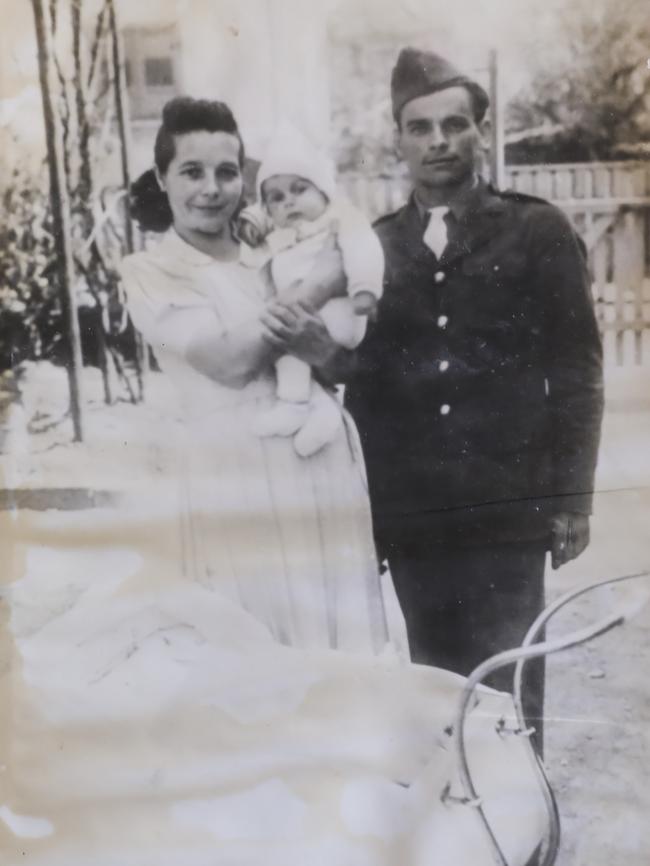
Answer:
(478, 392)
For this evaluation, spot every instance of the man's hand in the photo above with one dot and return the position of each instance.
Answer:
(569, 537)
(295, 329)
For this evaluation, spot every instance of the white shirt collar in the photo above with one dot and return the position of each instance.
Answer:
(173, 245)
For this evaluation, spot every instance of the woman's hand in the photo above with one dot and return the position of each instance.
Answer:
(296, 329)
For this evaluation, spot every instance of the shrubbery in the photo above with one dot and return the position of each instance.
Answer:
(30, 312)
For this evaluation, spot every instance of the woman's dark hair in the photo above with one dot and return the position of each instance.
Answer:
(184, 114)
(148, 204)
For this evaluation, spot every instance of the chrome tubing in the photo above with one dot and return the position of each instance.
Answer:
(519, 657)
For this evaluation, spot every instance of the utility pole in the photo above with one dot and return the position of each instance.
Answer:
(497, 144)
(123, 130)
(60, 215)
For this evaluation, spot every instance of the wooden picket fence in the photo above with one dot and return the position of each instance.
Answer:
(609, 204)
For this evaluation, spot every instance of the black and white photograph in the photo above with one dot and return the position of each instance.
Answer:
(324, 433)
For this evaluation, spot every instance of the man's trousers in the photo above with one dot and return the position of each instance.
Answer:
(464, 603)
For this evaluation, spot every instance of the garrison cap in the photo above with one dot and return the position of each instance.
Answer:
(418, 73)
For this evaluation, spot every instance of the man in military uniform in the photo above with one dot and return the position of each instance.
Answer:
(478, 393)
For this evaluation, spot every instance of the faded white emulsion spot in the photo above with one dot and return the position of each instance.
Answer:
(268, 811)
(24, 825)
(376, 807)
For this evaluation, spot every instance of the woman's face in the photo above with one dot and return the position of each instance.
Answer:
(203, 182)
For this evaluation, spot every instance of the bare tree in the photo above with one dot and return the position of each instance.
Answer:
(60, 212)
(593, 83)
(86, 76)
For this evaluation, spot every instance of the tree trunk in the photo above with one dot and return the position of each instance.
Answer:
(123, 126)
(84, 188)
(60, 215)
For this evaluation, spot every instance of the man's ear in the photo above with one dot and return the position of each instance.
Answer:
(159, 178)
(485, 130)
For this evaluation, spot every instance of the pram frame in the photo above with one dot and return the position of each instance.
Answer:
(519, 656)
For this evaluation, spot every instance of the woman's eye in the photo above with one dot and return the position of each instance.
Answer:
(194, 173)
(228, 174)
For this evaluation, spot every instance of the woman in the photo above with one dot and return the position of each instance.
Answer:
(153, 721)
(288, 539)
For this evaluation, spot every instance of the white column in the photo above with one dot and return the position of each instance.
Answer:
(266, 58)
(300, 64)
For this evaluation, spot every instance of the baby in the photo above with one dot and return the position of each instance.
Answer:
(298, 214)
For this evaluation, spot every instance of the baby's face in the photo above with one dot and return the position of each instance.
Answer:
(290, 199)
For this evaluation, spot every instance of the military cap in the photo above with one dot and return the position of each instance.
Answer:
(418, 73)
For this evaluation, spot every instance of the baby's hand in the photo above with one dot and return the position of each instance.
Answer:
(253, 226)
(249, 234)
(364, 304)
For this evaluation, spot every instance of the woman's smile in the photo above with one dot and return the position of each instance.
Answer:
(209, 208)
(204, 182)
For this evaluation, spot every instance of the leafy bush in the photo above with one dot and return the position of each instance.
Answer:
(30, 312)
(31, 320)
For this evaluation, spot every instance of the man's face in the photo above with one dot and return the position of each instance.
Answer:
(439, 138)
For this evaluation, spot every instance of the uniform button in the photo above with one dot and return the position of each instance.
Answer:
(443, 366)
(442, 321)
(445, 409)
(439, 276)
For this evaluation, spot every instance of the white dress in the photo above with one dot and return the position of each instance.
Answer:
(287, 538)
(150, 719)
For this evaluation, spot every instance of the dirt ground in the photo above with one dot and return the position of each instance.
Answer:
(598, 708)
(598, 695)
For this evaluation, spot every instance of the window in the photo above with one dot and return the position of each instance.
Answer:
(151, 61)
(158, 72)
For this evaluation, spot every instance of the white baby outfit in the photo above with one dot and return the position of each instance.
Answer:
(292, 252)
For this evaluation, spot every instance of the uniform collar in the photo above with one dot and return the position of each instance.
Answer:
(476, 223)
(481, 197)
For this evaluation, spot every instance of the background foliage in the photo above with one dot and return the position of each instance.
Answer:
(31, 325)
(591, 84)
(30, 314)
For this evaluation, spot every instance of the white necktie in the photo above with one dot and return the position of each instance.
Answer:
(435, 235)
